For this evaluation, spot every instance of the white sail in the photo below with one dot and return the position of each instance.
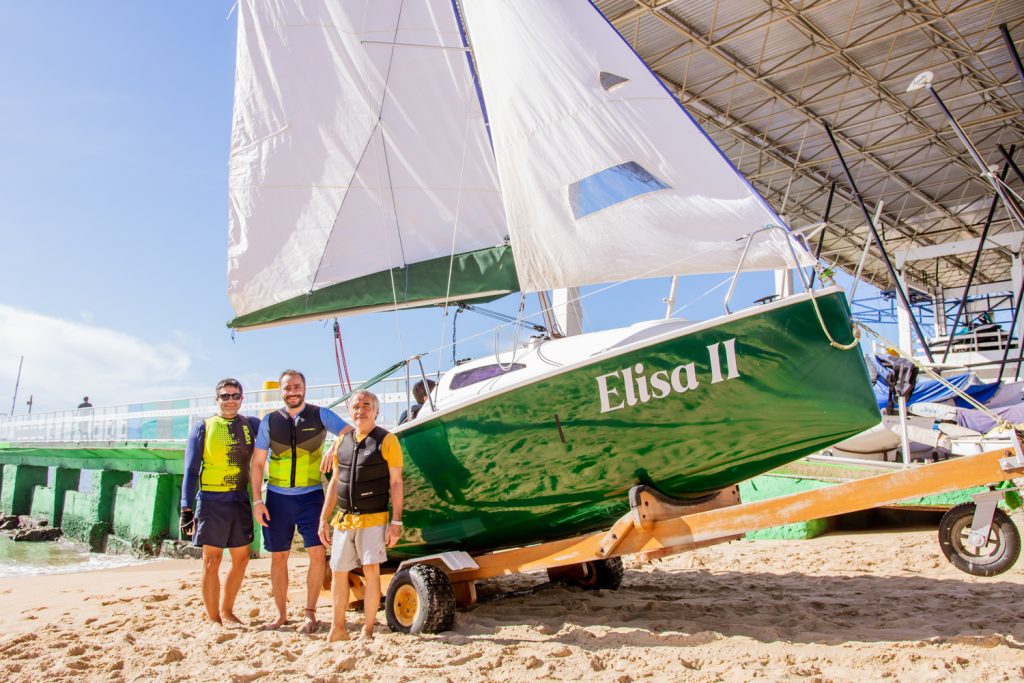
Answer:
(358, 146)
(604, 176)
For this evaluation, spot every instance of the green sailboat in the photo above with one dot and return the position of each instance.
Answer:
(388, 155)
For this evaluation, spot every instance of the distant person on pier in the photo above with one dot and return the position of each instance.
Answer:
(84, 410)
(291, 440)
(420, 391)
(217, 459)
(367, 476)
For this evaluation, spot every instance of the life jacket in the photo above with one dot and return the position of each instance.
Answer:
(227, 450)
(296, 445)
(363, 481)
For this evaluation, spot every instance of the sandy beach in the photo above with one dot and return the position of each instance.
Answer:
(844, 607)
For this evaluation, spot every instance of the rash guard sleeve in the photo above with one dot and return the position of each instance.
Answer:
(263, 433)
(332, 421)
(193, 464)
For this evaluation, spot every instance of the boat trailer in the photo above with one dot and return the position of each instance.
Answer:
(978, 537)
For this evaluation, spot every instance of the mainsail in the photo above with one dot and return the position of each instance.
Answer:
(364, 172)
(360, 164)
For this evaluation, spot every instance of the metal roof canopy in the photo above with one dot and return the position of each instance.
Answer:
(762, 77)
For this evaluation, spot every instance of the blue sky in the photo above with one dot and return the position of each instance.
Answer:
(113, 210)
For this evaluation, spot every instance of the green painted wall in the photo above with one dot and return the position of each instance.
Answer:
(768, 486)
(48, 501)
(88, 517)
(142, 509)
(18, 484)
(154, 458)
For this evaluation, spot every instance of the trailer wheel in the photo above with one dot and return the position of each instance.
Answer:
(995, 557)
(420, 599)
(595, 574)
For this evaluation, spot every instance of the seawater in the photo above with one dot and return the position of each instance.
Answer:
(29, 559)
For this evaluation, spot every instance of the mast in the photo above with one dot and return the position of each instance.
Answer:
(16, 383)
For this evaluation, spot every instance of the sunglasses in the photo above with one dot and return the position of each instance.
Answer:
(230, 397)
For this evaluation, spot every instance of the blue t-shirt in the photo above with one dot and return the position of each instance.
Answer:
(332, 422)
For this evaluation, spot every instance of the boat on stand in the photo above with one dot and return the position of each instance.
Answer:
(391, 155)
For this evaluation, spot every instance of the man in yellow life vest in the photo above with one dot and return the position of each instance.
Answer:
(293, 437)
(367, 475)
(217, 458)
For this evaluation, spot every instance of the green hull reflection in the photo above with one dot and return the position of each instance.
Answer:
(543, 461)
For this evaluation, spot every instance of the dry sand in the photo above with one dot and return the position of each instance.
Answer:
(854, 607)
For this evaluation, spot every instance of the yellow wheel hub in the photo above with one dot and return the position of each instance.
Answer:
(406, 605)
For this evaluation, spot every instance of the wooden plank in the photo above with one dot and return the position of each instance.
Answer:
(710, 526)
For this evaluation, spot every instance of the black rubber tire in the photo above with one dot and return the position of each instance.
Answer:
(599, 574)
(999, 555)
(435, 609)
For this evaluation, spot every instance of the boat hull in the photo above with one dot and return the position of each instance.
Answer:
(556, 457)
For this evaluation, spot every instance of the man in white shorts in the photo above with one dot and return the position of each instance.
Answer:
(367, 475)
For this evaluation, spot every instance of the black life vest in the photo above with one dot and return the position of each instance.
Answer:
(363, 481)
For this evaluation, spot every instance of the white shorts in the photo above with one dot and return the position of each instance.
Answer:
(358, 547)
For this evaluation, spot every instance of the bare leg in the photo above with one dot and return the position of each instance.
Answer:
(279, 585)
(314, 582)
(211, 581)
(371, 599)
(233, 581)
(339, 603)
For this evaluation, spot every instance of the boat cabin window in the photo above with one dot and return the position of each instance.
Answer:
(464, 379)
(611, 186)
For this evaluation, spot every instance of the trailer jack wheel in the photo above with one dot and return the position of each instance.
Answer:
(999, 553)
(592, 575)
(420, 599)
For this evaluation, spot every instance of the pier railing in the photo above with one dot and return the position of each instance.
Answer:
(170, 421)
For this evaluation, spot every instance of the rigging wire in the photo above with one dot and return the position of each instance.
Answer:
(695, 255)
(344, 378)
(893, 348)
(455, 232)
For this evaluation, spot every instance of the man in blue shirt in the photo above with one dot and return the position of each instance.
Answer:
(293, 438)
(217, 459)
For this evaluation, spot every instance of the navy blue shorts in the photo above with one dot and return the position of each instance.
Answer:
(288, 512)
(223, 523)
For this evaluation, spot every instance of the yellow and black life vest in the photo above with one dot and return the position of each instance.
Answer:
(227, 451)
(296, 445)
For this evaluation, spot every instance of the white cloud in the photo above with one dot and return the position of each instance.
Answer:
(65, 360)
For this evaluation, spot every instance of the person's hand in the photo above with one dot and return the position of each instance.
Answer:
(187, 523)
(393, 533)
(260, 511)
(327, 461)
(325, 533)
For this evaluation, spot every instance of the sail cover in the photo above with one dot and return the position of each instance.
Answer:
(361, 173)
(604, 176)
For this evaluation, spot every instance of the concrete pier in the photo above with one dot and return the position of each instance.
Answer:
(18, 484)
(48, 501)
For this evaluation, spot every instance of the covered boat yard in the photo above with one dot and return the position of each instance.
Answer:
(769, 81)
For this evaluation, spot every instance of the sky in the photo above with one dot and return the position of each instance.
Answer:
(114, 129)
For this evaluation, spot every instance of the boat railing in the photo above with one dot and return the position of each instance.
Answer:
(987, 338)
(170, 421)
(743, 256)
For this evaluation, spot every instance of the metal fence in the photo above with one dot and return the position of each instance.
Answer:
(172, 420)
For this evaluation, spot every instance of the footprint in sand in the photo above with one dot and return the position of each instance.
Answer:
(225, 637)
